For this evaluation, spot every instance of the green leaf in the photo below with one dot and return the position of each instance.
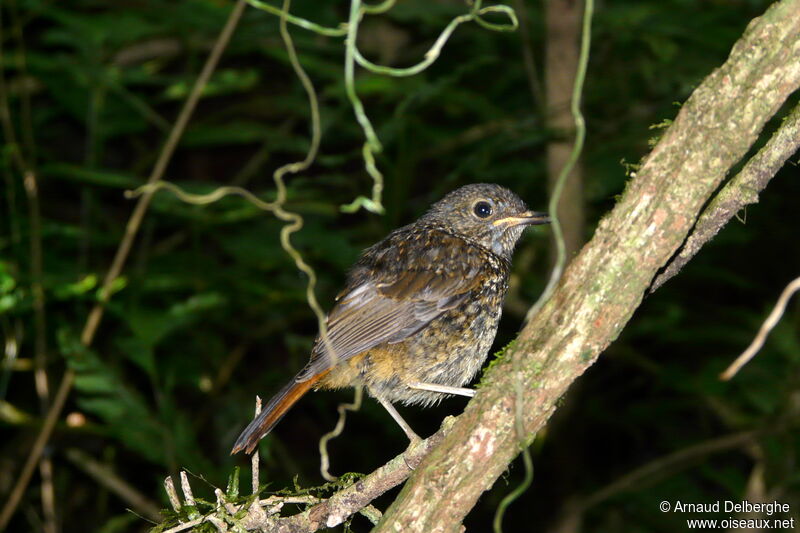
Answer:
(79, 288)
(224, 81)
(233, 484)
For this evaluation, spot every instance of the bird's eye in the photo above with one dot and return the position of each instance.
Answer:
(482, 209)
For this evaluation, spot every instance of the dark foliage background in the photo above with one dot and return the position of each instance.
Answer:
(212, 311)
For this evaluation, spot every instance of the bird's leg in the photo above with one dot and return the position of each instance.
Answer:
(444, 389)
(413, 437)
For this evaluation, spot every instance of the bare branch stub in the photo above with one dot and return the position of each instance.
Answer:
(356, 497)
(766, 327)
(172, 494)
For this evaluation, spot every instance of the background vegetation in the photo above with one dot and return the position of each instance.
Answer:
(211, 311)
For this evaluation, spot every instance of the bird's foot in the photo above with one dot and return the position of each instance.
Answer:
(413, 439)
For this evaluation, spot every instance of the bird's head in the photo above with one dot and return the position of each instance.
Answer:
(486, 213)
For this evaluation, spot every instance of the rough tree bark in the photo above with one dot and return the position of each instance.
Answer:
(606, 282)
(596, 297)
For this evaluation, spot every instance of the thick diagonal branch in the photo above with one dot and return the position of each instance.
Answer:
(742, 190)
(607, 280)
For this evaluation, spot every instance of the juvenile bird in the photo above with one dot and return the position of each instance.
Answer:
(420, 308)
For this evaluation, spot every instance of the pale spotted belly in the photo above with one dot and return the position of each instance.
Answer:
(448, 351)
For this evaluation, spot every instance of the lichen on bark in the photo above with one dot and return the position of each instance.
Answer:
(606, 282)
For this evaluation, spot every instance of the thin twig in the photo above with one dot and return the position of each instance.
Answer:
(254, 466)
(27, 171)
(356, 497)
(219, 524)
(661, 464)
(40, 343)
(758, 342)
(96, 314)
(187, 525)
(186, 488)
(48, 495)
(172, 494)
(303, 499)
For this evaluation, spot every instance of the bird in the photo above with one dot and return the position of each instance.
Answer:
(419, 310)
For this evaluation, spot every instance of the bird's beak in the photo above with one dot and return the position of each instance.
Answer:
(528, 218)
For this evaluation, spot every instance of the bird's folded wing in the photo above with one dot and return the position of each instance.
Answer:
(372, 313)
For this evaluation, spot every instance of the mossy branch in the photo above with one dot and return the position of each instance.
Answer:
(598, 293)
(606, 282)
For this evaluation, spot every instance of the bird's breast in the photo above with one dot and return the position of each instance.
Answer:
(448, 351)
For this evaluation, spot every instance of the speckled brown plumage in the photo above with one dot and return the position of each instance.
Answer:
(420, 306)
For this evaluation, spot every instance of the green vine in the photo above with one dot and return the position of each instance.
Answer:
(558, 269)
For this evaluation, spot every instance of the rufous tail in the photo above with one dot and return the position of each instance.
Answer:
(272, 413)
